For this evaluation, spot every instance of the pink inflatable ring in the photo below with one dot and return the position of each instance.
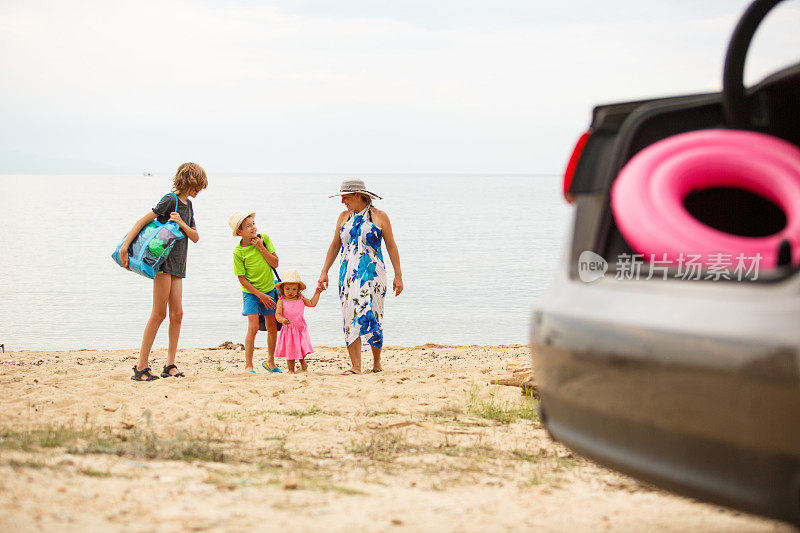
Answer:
(647, 198)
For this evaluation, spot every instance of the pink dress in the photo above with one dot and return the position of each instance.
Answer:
(293, 340)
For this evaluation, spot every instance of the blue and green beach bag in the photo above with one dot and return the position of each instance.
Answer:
(151, 247)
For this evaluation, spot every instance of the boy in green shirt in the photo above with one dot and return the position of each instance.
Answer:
(254, 258)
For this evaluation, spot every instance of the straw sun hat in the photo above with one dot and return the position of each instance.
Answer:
(291, 276)
(236, 219)
(355, 186)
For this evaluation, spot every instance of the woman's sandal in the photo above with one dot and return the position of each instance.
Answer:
(349, 372)
(143, 375)
(165, 373)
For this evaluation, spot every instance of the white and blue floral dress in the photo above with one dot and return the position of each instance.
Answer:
(362, 279)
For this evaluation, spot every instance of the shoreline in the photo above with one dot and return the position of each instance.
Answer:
(430, 442)
(162, 351)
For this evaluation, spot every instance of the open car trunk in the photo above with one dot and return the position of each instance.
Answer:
(620, 131)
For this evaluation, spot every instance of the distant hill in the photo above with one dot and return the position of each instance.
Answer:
(16, 162)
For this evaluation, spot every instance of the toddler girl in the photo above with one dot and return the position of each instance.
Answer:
(293, 340)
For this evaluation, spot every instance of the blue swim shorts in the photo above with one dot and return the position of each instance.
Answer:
(254, 306)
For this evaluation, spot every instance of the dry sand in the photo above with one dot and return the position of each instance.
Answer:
(427, 445)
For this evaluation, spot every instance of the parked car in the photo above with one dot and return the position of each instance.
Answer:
(691, 383)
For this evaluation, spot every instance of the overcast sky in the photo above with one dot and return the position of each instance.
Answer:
(347, 86)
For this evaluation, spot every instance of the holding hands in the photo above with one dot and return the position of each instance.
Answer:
(397, 283)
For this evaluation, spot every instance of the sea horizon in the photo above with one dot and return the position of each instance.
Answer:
(476, 251)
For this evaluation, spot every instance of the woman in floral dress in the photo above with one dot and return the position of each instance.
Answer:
(362, 273)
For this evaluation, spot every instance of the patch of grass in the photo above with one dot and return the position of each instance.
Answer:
(186, 446)
(330, 487)
(276, 453)
(265, 413)
(137, 442)
(532, 482)
(565, 462)
(466, 451)
(222, 481)
(383, 413)
(550, 467)
(27, 464)
(53, 436)
(307, 479)
(308, 411)
(503, 412)
(386, 446)
(525, 456)
(300, 413)
(557, 462)
(381, 446)
(94, 473)
(449, 413)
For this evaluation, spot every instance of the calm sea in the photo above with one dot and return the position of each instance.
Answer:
(476, 253)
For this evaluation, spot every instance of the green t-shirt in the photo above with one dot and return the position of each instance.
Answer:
(248, 262)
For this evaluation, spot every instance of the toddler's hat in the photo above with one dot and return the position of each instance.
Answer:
(291, 276)
(236, 219)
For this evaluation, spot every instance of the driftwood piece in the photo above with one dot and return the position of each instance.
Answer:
(228, 345)
(521, 376)
(509, 382)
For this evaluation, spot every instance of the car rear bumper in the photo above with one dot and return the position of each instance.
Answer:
(695, 388)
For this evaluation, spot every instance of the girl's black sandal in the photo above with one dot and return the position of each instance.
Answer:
(165, 373)
(143, 375)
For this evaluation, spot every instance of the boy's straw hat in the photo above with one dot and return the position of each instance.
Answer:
(355, 186)
(236, 219)
(291, 276)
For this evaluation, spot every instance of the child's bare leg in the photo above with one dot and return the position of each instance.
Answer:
(272, 338)
(354, 350)
(376, 359)
(175, 317)
(303, 365)
(161, 290)
(290, 364)
(250, 341)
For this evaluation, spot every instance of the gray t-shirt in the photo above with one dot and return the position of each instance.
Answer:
(176, 260)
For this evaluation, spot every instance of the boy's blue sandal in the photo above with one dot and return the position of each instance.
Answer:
(165, 373)
(143, 375)
(268, 369)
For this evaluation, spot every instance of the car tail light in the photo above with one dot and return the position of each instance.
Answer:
(573, 163)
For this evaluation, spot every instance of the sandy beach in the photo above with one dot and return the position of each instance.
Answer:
(430, 444)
